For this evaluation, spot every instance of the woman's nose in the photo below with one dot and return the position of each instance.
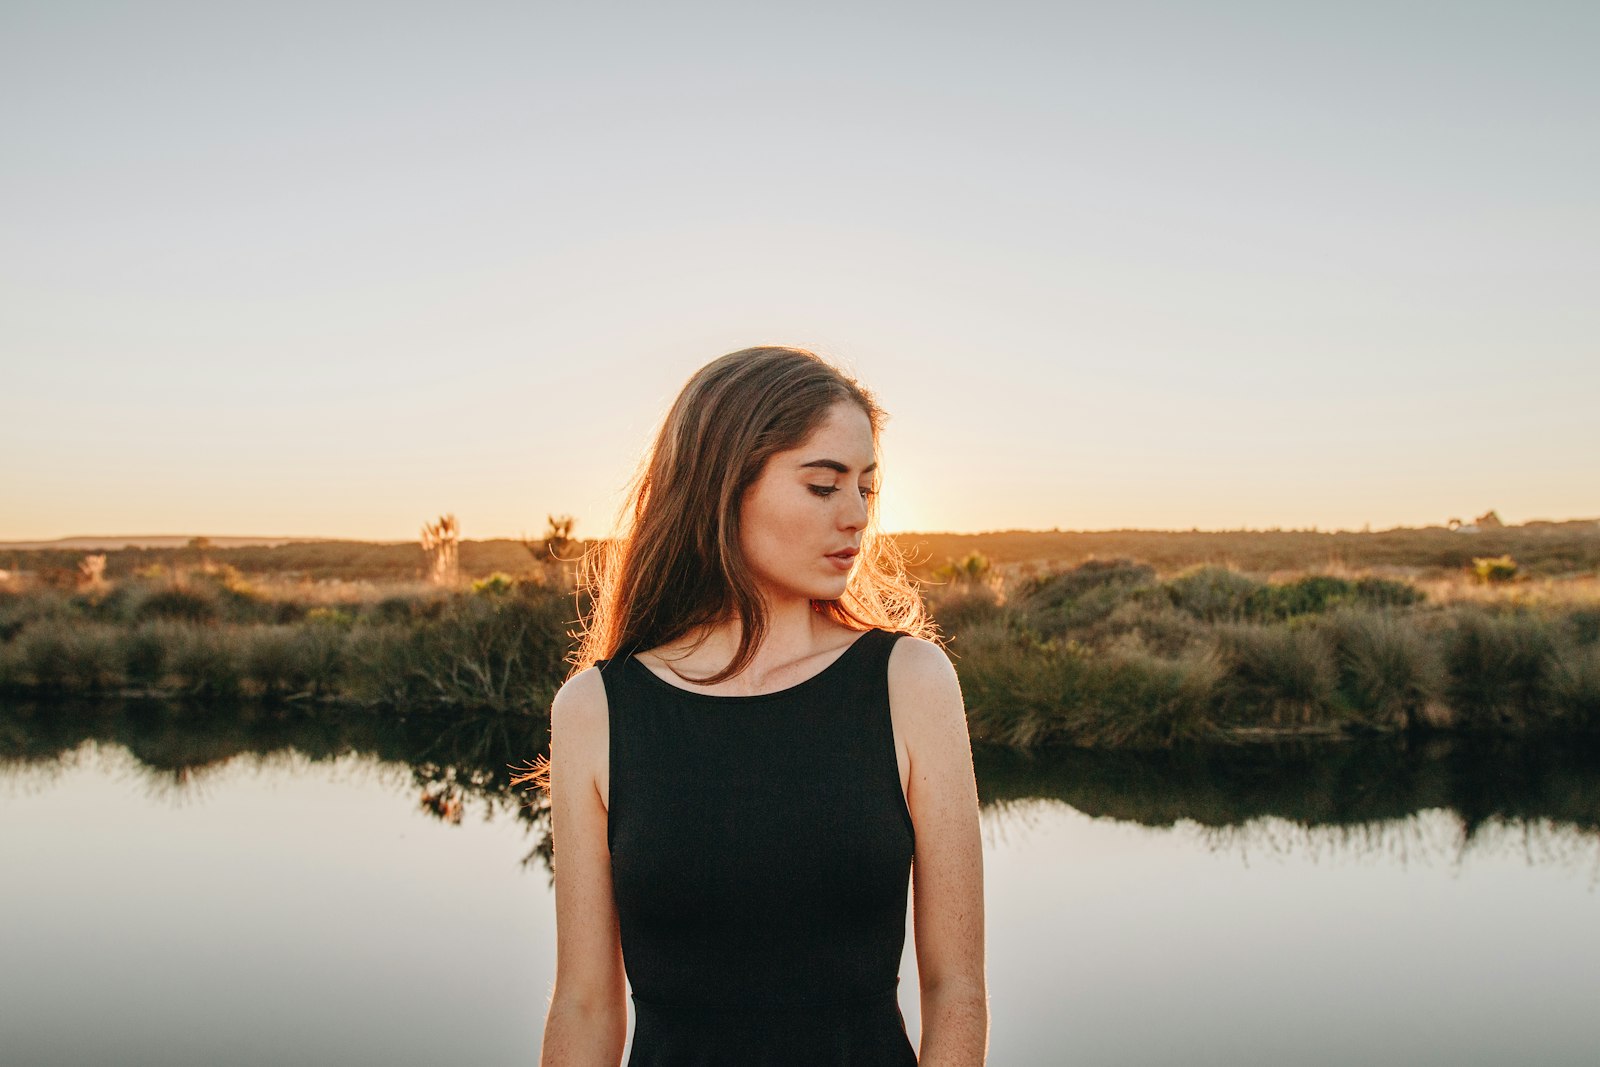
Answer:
(856, 515)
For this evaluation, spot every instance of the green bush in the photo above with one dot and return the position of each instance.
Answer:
(1584, 625)
(1026, 693)
(1054, 604)
(1276, 674)
(497, 584)
(69, 655)
(271, 661)
(961, 608)
(207, 661)
(46, 654)
(498, 652)
(147, 649)
(13, 672)
(1575, 686)
(317, 654)
(379, 665)
(1387, 593)
(1212, 593)
(1388, 669)
(19, 610)
(1500, 669)
(96, 651)
(178, 602)
(1494, 568)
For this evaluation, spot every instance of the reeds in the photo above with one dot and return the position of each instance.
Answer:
(502, 648)
(1106, 654)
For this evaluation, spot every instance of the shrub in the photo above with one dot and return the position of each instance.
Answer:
(395, 609)
(20, 610)
(179, 602)
(270, 660)
(1388, 670)
(46, 654)
(1386, 593)
(1054, 604)
(207, 661)
(146, 650)
(316, 653)
(96, 657)
(1316, 594)
(1575, 686)
(333, 617)
(1494, 568)
(1276, 673)
(1500, 669)
(1212, 593)
(1308, 595)
(379, 665)
(1155, 623)
(1584, 625)
(959, 609)
(972, 569)
(499, 652)
(497, 584)
(1026, 693)
(13, 672)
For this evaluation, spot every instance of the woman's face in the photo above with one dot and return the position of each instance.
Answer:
(808, 504)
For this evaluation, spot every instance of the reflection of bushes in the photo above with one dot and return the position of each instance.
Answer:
(1344, 784)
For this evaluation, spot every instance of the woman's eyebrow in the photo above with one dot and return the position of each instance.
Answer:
(835, 465)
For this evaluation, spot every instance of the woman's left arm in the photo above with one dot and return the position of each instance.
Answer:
(947, 873)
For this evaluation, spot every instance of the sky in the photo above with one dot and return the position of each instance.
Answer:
(336, 269)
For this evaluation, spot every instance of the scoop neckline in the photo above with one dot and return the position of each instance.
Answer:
(746, 698)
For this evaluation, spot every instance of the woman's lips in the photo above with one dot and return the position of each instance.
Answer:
(842, 560)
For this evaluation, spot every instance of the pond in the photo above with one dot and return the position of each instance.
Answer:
(205, 886)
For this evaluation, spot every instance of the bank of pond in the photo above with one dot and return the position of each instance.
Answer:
(1106, 654)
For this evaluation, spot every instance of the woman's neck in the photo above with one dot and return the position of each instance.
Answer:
(795, 631)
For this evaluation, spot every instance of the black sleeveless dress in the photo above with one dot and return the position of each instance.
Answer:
(761, 853)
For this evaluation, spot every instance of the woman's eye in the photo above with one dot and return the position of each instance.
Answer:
(829, 490)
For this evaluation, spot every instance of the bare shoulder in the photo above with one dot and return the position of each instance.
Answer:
(580, 703)
(579, 724)
(924, 692)
(915, 663)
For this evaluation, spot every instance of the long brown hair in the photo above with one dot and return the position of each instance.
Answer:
(677, 565)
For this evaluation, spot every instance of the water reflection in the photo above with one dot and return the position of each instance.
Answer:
(1539, 797)
(458, 765)
(303, 877)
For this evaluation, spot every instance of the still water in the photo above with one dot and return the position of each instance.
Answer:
(210, 887)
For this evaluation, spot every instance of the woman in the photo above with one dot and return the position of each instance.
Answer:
(758, 744)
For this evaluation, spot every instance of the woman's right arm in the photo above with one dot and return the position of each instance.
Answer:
(588, 1019)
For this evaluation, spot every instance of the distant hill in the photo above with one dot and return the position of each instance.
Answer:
(1540, 548)
(108, 543)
